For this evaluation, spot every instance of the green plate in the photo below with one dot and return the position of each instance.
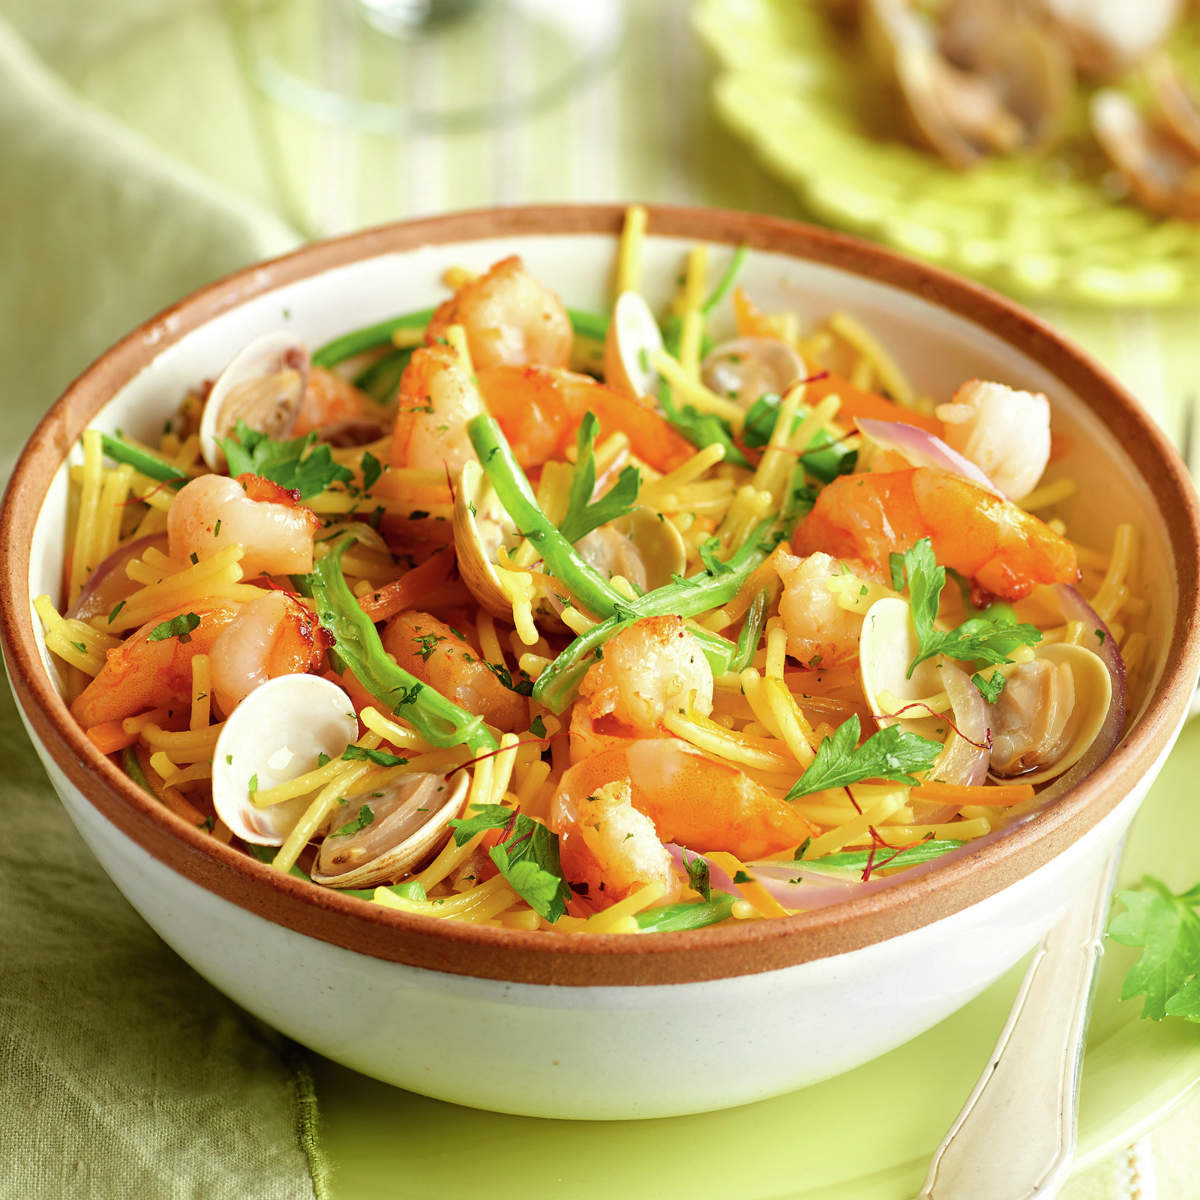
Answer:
(866, 1135)
(803, 95)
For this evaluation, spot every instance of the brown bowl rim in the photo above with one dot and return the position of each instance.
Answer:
(720, 951)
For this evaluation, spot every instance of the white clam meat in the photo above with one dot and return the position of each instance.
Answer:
(1051, 710)
(640, 547)
(633, 339)
(380, 837)
(264, 386)
(279, 731)
(748, 367)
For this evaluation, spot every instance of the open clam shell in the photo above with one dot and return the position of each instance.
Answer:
(745, 368)
(481, 528)
(640, 546)
(386, 836)
(886, 645)
(1056, 716)
(264, 386)
(633, 337)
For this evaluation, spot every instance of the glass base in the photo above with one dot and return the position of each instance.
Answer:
(423, 65)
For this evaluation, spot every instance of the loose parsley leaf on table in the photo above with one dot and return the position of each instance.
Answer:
(177, 627)
(988, 638)
(892, 753)
(527, 857)
(253, 453)
(1167, 927)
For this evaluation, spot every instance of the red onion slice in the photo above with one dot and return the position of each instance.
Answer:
(922, 449)
(107, 584)
(965, 758)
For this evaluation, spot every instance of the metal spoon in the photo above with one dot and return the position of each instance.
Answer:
(1015, 1136)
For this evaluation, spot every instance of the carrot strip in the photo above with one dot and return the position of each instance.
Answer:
(411, 589)
(858, 403)
(110, 736)
(989, 795)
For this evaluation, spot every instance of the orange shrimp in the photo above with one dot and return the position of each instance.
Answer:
(508, 317)
(692, 798)
(1001, 548)
(438, 397)
(141, 674)
(540, 408)
(270, 636)
(433, 652)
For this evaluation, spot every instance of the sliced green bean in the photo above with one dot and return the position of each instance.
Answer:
(381, 379)
(142, 460)
(672, 918)
(357, 341)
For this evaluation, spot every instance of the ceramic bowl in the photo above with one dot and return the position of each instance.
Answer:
(612, 1026)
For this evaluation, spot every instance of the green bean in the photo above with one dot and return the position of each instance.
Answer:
(368, 338)
(142, 460)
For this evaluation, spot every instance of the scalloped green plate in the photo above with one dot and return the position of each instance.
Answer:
(802, 94)
(866, 1135)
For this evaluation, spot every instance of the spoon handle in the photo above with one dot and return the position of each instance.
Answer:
(1015, 1136)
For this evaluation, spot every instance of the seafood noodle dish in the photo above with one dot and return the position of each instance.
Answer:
(620, 622)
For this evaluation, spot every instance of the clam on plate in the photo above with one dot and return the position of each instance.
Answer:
(1037, 225)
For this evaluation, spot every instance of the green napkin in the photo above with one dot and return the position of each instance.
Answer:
(122, 1073)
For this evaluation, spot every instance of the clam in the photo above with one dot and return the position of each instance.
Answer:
(389, 834)
(633, 336)
(641, 546)
(886, 645)
(263, 386)
(1106, 37)
(994, 83)
(481, 528)
(747, 367)
(1051, 710)
(279, 731)
(1162, 173)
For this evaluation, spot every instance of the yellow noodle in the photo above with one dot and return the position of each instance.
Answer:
(743, 910)
(311, 781)
(609, 451)
(617, 917)
(405, 339)
(201, 686)
(962, 830)
(850, 831)
(1108, 598)
(533, 664)
(690, 314)
(315, 816)
(519, 918)
(214, 577)
(691, 391)
(455, 277)
(112, 510)
(687, 472)
(861, 374)
(1049, 494)
(629, 253)
(793, 727)
(456, 335)
(82, 564)
(1133, 651)
(776, 462)
(715, 739)
(535, 776)
(489, 643)
(187, 746)
(776, 649)
(469, 904)
(894, 381)
(751, 890)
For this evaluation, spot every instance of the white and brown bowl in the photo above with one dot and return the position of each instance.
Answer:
(612, 1026)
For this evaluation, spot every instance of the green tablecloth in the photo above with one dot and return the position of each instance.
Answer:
(139, 163)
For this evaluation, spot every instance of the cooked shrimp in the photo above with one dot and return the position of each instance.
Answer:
(654, 665)
(1002, 549)
(141, 673)
(540, 408)
(609, 849)
(433, 652)
(266, 520)
(437, 399)
(334, 407)
(819, 631)
(1031, 721)
(273, 635)
(1001, 430)
(698, 801)
(509, 317)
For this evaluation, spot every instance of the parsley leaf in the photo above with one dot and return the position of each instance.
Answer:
(180, 627)
(372, 468)
(380, 757)
(364, 818)
(523, 687)
(701, 428)
(285, 463)
(527, 856)
(988, 638)
(892, 753)
(584, 514)
(708, 556)
(538, 727)
(991, 688)
(1167, 927)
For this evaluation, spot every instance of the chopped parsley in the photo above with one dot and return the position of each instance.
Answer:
(698, 875)
(286, 463)
(112, 616)
(361, 821)
(180, 627)
(380, 757)
(584, 514)
(538, 727)
(892, 753)
(372, 468)
(989, 687)
(322, 759)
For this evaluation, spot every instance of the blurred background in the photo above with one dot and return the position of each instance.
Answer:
(151, 146)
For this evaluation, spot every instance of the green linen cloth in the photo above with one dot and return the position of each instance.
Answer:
(122, 1073)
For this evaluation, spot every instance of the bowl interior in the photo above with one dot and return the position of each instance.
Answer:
(937, 348)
